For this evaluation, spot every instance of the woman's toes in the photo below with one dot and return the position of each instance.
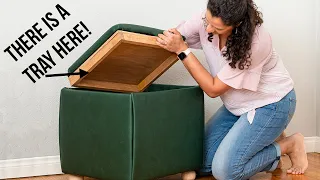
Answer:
(294, 171)
(297, 171)
(301, 172)
(298, 155)
(290, 170)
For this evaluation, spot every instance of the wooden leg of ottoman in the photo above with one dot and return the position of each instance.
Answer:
(72, 177)
(190, 175)
(53, 177)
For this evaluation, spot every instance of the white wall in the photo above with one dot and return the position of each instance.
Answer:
(29, 112)
(292, 25)
(318, 67)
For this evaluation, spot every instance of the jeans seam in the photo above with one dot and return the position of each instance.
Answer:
(268, 122)
(292, 99)
(256, 167)
(271, 162)
(211, 147)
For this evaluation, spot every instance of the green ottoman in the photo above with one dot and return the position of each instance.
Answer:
(104, 134)
(131, 136)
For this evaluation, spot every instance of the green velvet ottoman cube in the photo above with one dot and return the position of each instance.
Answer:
(131, 136)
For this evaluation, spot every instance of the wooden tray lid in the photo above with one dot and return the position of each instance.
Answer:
(125, 59)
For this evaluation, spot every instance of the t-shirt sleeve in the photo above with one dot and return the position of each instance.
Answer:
(249, 78)
(190, 30)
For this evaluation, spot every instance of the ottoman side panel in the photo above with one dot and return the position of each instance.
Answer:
(95, 134)
(168, 132)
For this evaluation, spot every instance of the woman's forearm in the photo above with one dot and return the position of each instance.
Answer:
(200, 74)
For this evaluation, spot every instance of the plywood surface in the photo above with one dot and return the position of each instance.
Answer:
(128, 62)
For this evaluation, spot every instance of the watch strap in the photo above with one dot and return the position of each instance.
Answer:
(184, 54)
(187, 51)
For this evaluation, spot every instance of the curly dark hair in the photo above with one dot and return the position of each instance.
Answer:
(244, 16)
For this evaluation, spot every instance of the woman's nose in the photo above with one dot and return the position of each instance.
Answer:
(210, 29)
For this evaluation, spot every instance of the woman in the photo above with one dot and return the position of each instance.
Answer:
(251, 80)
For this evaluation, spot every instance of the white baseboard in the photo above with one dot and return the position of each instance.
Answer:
(312, 144)
(50, 165)
(318, 145)
(28, 167)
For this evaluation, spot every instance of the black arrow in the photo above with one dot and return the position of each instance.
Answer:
(81, 73)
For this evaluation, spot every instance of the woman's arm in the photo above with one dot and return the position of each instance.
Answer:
(171, 40)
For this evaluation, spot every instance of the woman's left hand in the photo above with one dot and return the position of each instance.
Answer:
(172, 41)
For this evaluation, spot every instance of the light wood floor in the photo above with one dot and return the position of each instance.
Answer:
(312, 173)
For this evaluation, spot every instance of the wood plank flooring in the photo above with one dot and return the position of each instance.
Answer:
(312, 173)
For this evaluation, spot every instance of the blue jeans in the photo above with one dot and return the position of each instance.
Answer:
(236, 149)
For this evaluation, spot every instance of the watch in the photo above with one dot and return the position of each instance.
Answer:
(184, 54)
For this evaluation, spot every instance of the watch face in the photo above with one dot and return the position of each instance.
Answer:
(182, 56)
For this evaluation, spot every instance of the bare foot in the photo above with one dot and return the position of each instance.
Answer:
(280, 164)
(190, 175)
(296, 151)
(282, 136)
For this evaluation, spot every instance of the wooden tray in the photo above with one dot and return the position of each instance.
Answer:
(126, 62)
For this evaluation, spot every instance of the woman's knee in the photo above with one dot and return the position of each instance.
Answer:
(222, 169)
